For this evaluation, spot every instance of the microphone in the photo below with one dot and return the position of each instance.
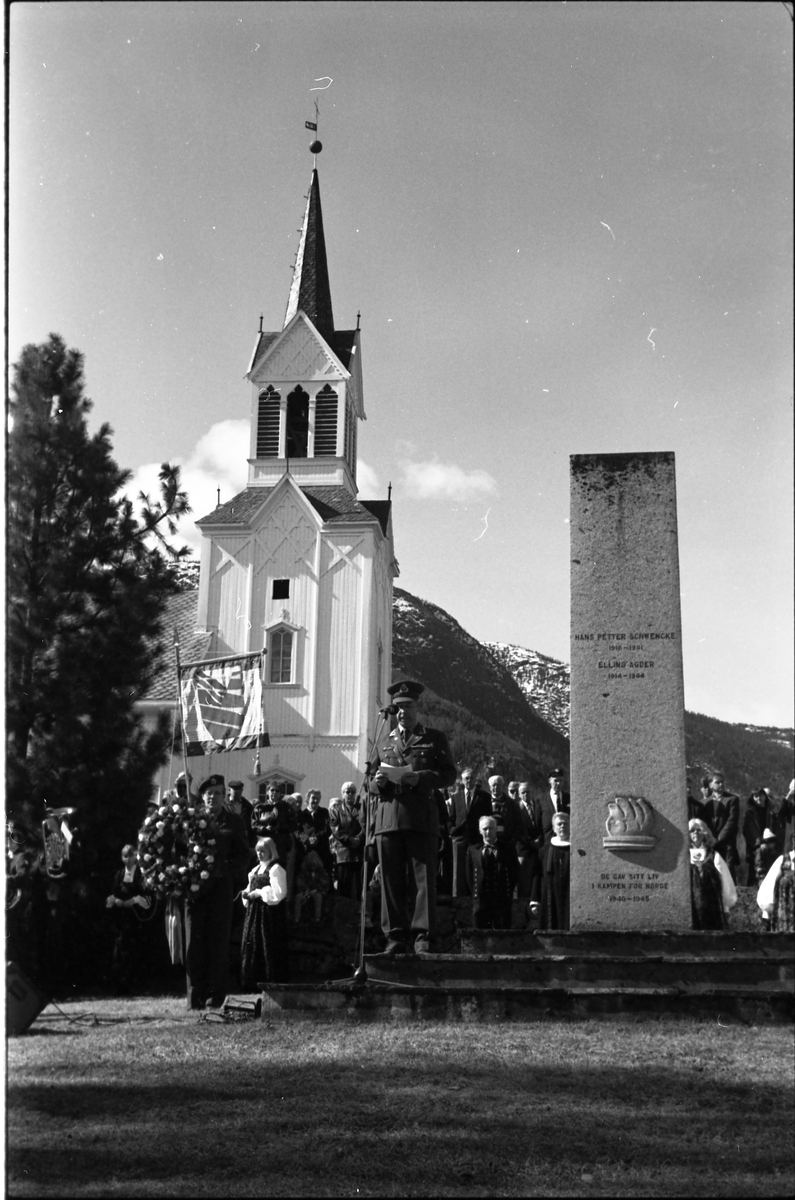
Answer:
(389, 711)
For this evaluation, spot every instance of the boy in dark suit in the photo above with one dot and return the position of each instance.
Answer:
(492, 871)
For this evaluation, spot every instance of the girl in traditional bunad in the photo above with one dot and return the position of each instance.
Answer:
(264, 944)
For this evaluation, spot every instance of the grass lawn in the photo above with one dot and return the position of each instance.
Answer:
(153, 1102)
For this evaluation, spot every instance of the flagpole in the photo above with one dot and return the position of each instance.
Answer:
(257, 765)
(182, 719)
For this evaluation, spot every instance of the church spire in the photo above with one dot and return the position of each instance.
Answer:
(310, 289)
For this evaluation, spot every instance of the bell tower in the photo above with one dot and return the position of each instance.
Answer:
(306, 399)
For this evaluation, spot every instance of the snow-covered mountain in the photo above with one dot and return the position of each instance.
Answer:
(544, 681)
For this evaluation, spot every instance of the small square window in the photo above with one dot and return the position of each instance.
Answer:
(281, 589)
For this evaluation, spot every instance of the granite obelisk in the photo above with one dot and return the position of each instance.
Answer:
(630, 858)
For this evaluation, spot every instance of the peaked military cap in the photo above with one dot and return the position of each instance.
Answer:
(211, 781)
(555, 773)
(406, 689)
(236, 783)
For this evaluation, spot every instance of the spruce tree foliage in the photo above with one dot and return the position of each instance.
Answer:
(86, 592)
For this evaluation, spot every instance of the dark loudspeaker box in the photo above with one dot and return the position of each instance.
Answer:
(24, 1001)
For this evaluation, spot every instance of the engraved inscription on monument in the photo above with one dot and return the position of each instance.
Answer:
(630, 865)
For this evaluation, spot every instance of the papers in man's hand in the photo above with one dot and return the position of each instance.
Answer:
(394, 774)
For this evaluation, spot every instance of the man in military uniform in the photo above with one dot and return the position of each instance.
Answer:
(407, 767)
(208, 919)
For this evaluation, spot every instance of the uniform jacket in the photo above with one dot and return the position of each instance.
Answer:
(415, 808)
(232, 854)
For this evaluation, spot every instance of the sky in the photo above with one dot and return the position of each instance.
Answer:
(568, 230)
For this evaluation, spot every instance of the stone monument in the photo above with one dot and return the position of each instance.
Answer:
(630, 866)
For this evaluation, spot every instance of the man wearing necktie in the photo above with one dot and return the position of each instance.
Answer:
(470, 803)
(417, 761)
(492, 869)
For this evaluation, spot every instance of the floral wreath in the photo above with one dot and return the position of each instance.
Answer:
(177, 850)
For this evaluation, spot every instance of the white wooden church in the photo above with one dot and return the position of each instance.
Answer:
(296, 562)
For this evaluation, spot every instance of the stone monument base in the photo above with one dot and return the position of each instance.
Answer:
(521, 975)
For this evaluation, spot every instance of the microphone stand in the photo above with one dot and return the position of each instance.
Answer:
(359, 978)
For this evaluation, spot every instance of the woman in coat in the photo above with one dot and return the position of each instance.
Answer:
(346, 844)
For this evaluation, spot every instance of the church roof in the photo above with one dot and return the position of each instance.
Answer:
(310, 288)
(332, 504)
(341, 341)
(181, 612)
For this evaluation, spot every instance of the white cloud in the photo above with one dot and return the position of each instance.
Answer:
(367, 481)
(436, 480)
(219, 460)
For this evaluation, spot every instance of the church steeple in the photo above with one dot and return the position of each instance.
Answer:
(307, 397)
(310, 290)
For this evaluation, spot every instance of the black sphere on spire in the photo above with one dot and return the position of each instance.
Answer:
(315, 147)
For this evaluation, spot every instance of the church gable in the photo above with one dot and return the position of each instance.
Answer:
(299, 354)
(286, 533)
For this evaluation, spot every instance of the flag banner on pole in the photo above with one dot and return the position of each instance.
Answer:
(221, 705)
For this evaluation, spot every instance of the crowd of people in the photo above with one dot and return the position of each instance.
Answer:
(416, 829)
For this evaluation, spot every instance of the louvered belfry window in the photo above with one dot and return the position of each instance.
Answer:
(297, 423)
(326, 423)
(268, 424)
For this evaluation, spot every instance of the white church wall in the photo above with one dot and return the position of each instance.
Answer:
(228, 606)
(340, 648)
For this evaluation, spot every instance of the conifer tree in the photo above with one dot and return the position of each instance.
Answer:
(86, 595)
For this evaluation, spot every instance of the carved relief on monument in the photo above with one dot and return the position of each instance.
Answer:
(629, 824)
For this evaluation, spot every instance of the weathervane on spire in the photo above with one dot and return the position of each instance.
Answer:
(316, 146)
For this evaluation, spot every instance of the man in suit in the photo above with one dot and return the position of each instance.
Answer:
(492, 869)
(760, 816)
(468, 804)
(236, 802)
(529, 845)
(722, 815)
(553, 801)
(504, 811)
(406, 769)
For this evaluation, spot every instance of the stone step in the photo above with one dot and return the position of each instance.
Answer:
(767, 1004)
(625, 942)
(495, 970)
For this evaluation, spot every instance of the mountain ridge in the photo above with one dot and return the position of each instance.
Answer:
(510, 706)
